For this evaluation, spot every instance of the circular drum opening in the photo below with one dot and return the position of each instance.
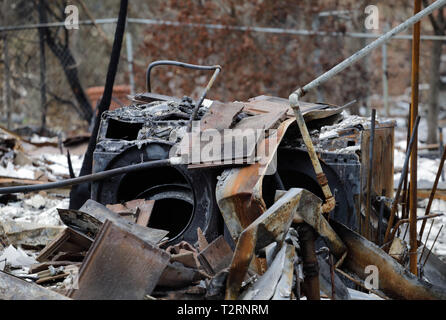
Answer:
(174, 199)
(171, 214)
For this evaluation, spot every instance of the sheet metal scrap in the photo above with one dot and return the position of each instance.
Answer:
(309, 210)
(120, 265)
(12, 288)
(216, 256)
(68, 240)
(101, 213)
(269, 227)
(394, 280)
(239, 190)
(176, 275)
(277, 281)
(80, 221)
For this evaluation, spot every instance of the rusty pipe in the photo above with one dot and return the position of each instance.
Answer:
(330, 201)
(307, 238)
(402, 221)
(414, 157)
(400, 183)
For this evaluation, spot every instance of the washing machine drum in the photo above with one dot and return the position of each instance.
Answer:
(184, 199)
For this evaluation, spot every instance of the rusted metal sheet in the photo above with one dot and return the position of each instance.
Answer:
(221, 150)
(269, 227)
(383, 146)
(221, 116)
(12, 288)
(262, 122)
(101, 213)
(45, 265)
(216, 256)
(239, 190)
(176, 275)
(145, 210)
(68, 240)
(394, 280)
(310, 111)
(185, 254)
(119, 265)
(188, 259)
(138, 210)
(309, 208)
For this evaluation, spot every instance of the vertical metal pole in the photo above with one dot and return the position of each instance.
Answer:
(405, 200)
(400, 183)
(440, 130)
(43, 101)
(7, 88)
(385, 79)
(414, 158)
(130, 61)
(370, 175)
(310, 264)
(380, 222)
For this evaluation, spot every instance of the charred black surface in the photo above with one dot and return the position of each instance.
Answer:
(185, 199)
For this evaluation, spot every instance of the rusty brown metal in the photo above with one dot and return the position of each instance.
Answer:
(310, 111)
(330, 201)
(400, 184)
(309, 210)
(307, 238)
(269, 227)
(119, 265)
(216, 256)
(402, 221)
(394, 280)
(405, 200)
(68, 240)
(101, 214)
(239, 190)
(220, 116)
(414, 157)
(176, 275)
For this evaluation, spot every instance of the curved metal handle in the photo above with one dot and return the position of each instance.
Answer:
(176, 64)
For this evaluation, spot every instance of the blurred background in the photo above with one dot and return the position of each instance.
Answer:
(51, 77)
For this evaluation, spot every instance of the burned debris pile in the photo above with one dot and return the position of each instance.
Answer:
(227, 219)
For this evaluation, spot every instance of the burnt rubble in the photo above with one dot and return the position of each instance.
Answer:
(255, 228)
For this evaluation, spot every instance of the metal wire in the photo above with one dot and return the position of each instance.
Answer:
(91, 177)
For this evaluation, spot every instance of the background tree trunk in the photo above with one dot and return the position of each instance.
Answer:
(67, 61)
